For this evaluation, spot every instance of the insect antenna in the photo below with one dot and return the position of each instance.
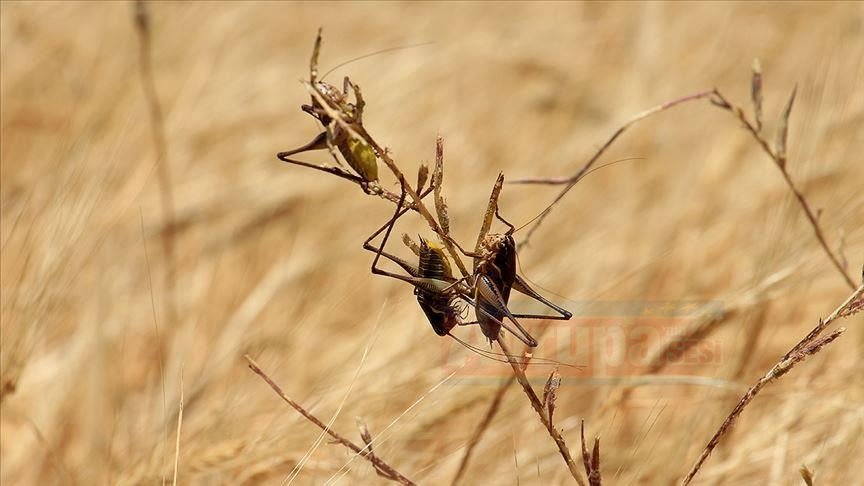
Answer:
(535, 284)
(549, 207)
(382, 51)
(534, 361)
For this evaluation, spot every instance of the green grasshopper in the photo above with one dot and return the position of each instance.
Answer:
(444, 298)
(357, 153)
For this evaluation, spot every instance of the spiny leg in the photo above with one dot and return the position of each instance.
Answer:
(488, 294)
(317, 143)
(379, 251)
(428, 284)
(283, 156)
(511, 229)
(358, 97)
(331, 140)
(521, 286)
(408, 267)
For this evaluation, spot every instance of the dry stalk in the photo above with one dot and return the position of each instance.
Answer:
(778, 155)
(806, 475)
(163, 171)
(492, 410)
(380, 466)
(367, 440)
(179, 428)
(481, 429)
(591, 460)
(808, 346)
(545, 419)
(571, 181)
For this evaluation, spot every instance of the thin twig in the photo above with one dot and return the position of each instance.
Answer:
(491, 411)
(367, 440)
(591, 460)
(780, 161)
(808, 346)
(163, 171)
(481, 428)
(179, 428)
(544, 419)
(572, 180)
(159, 355)
(376, 461)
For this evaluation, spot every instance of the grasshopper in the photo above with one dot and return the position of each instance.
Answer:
(444, 298)
(495, 276)
(432, 278)
(357, 153)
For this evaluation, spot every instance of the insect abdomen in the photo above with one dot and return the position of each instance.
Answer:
(437, 306)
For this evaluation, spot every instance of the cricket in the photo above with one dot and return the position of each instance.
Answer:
(357, 153)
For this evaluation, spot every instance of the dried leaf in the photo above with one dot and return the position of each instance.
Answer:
(367, 441)
(806, 475)
(783, 130)
(591, 461)
(422, 175)
(552, 384)
(443, 214)
(817, 345)
(411, 244)
(756, 93)
(437, 182)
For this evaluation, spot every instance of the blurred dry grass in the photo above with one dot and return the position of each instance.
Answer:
(270, 260)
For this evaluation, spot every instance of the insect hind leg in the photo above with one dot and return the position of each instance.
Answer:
(521, 286)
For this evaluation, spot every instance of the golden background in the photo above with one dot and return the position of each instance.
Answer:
(268, 258)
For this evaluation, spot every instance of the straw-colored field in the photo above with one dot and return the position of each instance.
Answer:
(98, 338)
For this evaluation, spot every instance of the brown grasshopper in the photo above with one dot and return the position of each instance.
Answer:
(432, 278)
(495, 276)
(357, 153)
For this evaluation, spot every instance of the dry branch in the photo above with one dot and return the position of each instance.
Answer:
(591, 460)
(778, 155)
(572, 180)
(481, 429)
(541, 412)
(779, 158)
(380, 466)
(808, 346)
(367, 440)
(179, 429)
(163, 171)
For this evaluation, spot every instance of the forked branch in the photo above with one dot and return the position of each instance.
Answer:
(163, 171)
(591, 460)
(382, 468)
(778, 156)
(571, 181)
(542, 411)
(808, 346)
